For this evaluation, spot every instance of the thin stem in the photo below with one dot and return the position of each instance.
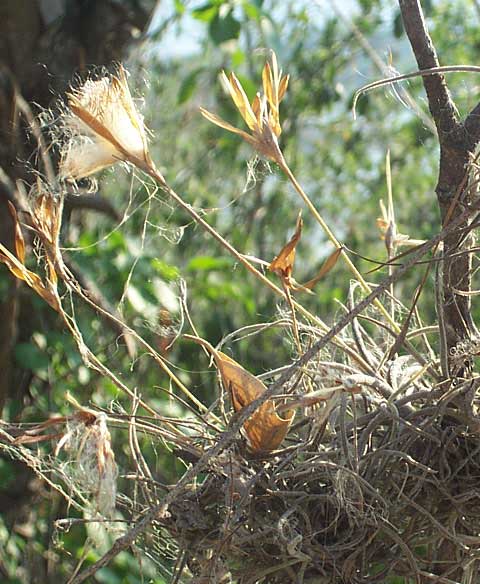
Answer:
(295, 332)
(157, 177)
(329, 233)
(391, 246)
(73, 285)
(92, 361)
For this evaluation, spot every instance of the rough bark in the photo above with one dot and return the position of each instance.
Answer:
(458, 141)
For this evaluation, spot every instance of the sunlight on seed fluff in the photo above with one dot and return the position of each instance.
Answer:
(103, 127)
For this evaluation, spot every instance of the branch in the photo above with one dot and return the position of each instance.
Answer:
(380, 65)
(440, 102)
(92, 203)
(457, 144)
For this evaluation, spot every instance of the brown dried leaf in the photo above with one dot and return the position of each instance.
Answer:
(241, 100)
(382, 224)
(46, 217)
(258, 108)
(26, 439)
(282, 89)
(268, 85)
(326, 267)
(283, 263)
(30, 278)
(12, 265)
(19, 241)
(265, 429)
(36, 433)
(225, 125)
(52, 274)
(17, 268)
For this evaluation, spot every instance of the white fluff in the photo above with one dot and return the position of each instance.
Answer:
(89, 148)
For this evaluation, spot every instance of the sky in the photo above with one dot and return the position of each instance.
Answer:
(186, 41)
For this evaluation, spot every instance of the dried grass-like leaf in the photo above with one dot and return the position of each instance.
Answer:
(19, 270)
(265, 429)
(327, 266)
(19, 240)
(282, 89)
(268, 85)
(225, 125)
(262, 117)
(240, 99)
(282, 264)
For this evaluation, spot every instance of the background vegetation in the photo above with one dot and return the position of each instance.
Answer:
(137, 253)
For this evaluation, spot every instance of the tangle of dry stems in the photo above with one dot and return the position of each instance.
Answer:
(379, 475)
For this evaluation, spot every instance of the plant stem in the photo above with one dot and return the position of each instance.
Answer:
(329, 233)
(158, 178)
(75, 286)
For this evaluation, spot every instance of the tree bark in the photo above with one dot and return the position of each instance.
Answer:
(458, 141)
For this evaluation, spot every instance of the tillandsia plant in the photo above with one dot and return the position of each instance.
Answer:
(263, 120)
(262, 116)
(240, 515)
(375, 480)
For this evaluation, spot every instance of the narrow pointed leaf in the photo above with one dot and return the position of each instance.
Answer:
(275, 73)
(241, 101)
(257, 108)
(19, 241)
(223, 124)
(30, 278)
(268, 88)
(282, 89)
(283, 262)
(326, 267)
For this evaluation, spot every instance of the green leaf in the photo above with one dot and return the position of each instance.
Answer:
(31, 357)
(206, 12)
(164, 270)
(238, 58)
(188, 86)
(208, 263)
(223, 28)
(252, 10)
(179, 7)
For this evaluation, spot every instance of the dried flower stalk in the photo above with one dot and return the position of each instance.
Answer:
(104, 127)
(263, 119)
(262, 116)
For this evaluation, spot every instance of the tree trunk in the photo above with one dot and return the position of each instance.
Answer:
(458, 141)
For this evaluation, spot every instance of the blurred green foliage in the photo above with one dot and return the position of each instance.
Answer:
(137, 264)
